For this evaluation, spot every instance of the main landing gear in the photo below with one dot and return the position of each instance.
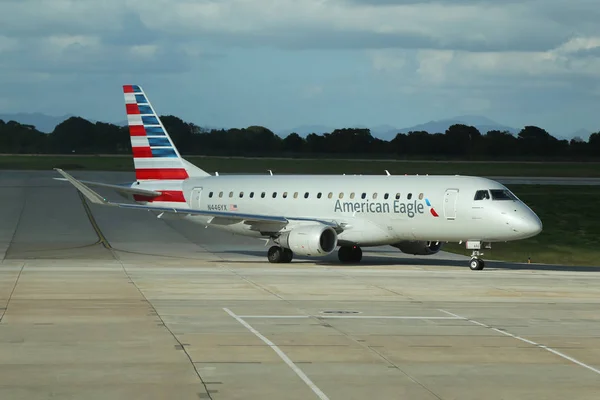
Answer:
(346, 254)
(350, 254)
(278, 255)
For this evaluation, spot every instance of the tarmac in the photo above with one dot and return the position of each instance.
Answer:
(103, 303)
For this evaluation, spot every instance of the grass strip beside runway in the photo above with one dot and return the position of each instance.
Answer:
(571, 233)
(313, 166)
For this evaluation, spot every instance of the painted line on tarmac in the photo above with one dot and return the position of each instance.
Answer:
(352, 317)
(281, 354)
(531, 342)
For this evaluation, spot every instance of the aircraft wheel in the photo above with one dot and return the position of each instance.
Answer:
(356, 254)
(476, 264)
(350, 254)
(275, 255)
(345, 254)
(287, 256)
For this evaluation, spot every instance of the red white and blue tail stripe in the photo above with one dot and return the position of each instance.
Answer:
(154, 154)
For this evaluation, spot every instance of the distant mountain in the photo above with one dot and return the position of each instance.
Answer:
(483, 124)
(388, 132)
(47, 123)
(583, 134)
(43, 123)
(305, 130)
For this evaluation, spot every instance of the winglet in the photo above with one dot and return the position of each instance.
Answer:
(86, 191)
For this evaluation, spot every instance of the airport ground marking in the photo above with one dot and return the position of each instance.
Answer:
(352, 317)
(281, 354)
(531, 342)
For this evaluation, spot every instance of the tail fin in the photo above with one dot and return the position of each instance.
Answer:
(154, 154)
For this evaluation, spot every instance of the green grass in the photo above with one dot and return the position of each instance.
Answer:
(571, 233)
(313, 166)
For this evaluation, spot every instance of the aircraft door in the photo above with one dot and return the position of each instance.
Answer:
(450, 198)
(196, 198)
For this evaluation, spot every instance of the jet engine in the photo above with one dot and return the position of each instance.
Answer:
(419, 248)
(309, 240)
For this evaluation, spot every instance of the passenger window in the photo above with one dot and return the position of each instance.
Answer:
(241, 194)
(220, 194)
(251, 195)
(210, 194)
(319, 195)
(409, 196)
(397, 196)
(285, 195)
(420, 196)
(295, 195)
(352, 195)
(364, 195)
(274, 194)
(306, 195)
(482, 195)
(341, 195)
(386, 196)
(374, 196)
(263, 195)
(330, 195)
(230, 194)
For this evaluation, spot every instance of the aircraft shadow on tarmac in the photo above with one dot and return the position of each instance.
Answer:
(374, 260)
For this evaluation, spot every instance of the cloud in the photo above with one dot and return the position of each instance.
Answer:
(312, 91)
(318, 24)
(576, 58)
(453, 53)
(65, 54)
(57, 32)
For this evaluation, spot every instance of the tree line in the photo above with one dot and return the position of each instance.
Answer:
(79, 136)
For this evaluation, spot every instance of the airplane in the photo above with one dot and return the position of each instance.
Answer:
(312, 215)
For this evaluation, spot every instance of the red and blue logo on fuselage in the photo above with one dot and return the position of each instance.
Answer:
(431, 209)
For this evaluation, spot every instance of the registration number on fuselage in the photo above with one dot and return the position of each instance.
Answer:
(216, 207)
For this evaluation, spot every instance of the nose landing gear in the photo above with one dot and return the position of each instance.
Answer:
(476, 263)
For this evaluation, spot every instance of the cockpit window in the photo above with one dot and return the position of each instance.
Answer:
(501, 194)
(482, 194)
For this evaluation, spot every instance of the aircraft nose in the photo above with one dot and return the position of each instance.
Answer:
(534, 224)
(527, 224)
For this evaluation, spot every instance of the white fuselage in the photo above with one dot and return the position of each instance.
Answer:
(375, 210)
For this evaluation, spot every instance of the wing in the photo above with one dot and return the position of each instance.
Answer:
(118, 188)
(221, 217)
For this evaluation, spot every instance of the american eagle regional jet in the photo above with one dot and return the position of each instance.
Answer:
(311, 215)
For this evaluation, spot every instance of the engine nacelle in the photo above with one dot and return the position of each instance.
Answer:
(309, 240)
(418, 248)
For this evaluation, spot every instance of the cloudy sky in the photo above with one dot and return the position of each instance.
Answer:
(284, 63)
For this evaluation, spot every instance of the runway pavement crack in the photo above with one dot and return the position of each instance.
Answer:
(372, 285)
(12, 239)
(104, 241)
(378, 354)
(413, 379)
(12, 292)
(179, 342)
(258, 286)
(322, 322)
